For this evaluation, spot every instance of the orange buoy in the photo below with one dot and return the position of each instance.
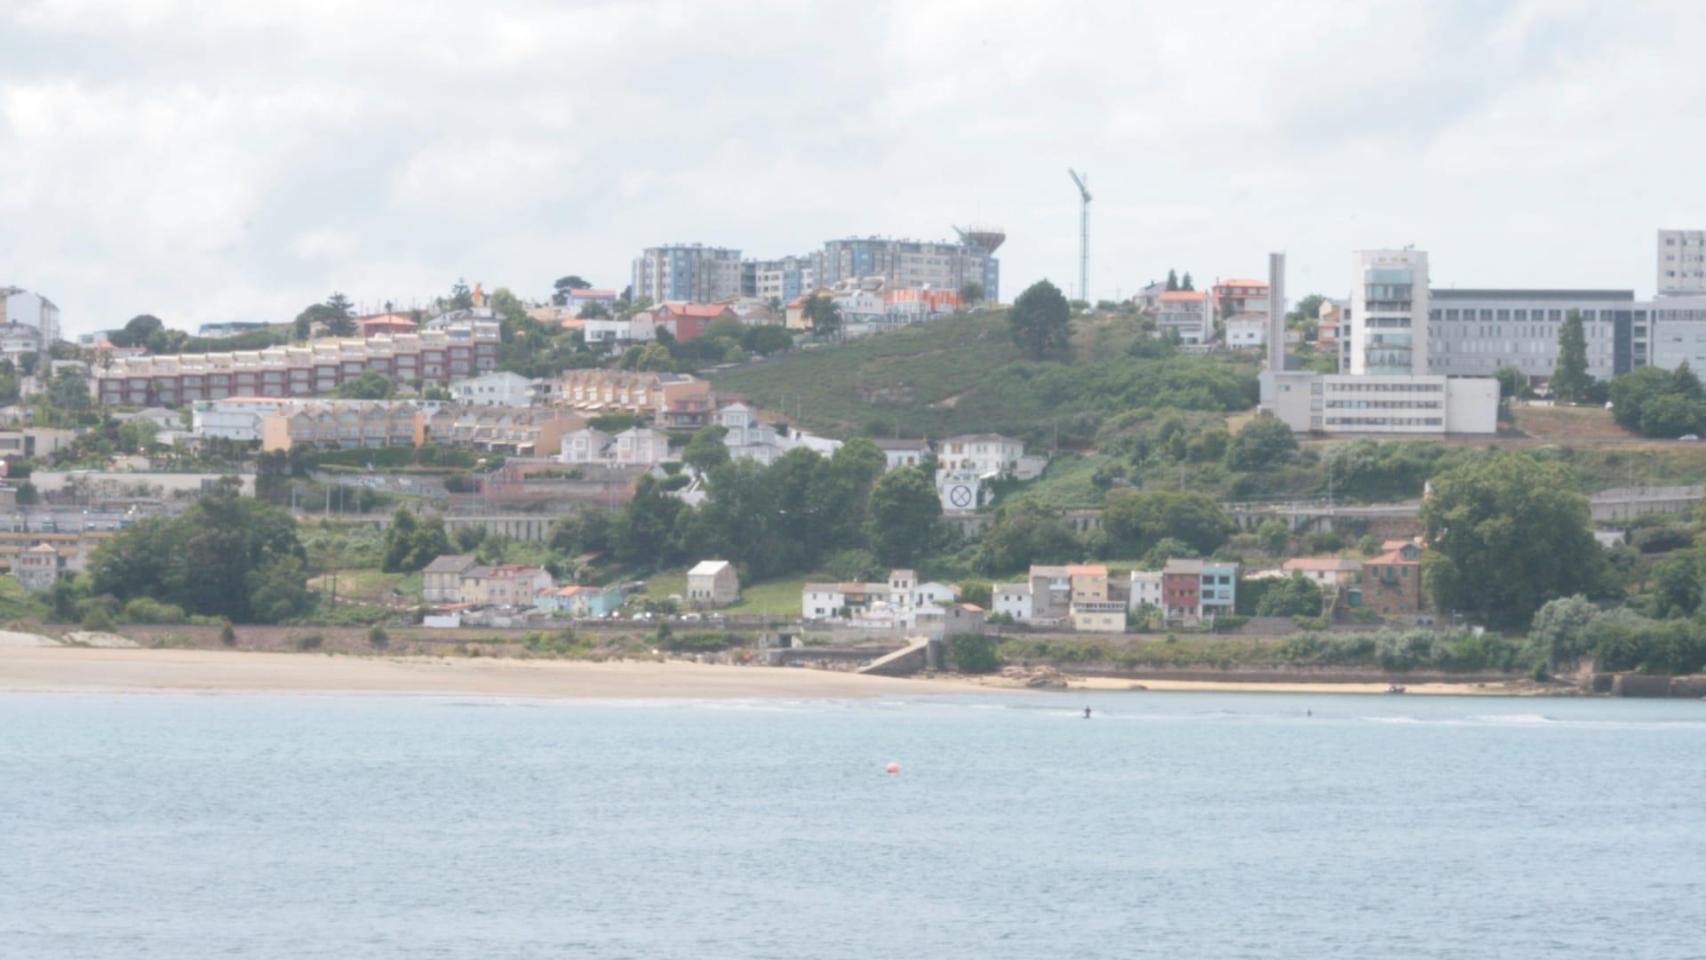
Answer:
(892, 767)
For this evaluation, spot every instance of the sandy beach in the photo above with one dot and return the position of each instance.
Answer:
(72, 669)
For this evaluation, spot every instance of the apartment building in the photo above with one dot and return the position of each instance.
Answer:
(780, 280)
(504, 585)
(23, 308)
(913, 263)
(687, 272)
(307, 370)
(38, 567)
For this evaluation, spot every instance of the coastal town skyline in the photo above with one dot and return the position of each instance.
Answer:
(562, 141)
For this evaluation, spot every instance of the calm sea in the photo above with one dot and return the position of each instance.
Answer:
(1168, 825)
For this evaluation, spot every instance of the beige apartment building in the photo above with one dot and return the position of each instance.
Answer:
(341, 424)
(304, 370)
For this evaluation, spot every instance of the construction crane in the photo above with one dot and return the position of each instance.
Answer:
(1083, 232)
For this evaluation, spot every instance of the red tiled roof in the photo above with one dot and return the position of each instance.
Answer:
(1184, 295)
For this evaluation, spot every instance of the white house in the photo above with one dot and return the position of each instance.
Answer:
(1014, 600)
(234, 418)
(1145, 589)
(503, 389)
(989, 454)
(713, 583)
(822, 601)
(636, 446)
(903, 452)
(1246, 331)
(748, 438)
(615, 331)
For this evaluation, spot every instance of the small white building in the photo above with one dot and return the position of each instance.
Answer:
(822, 601)
(713, 583)
(1247, 331)
(500, 389)
(1145, 590)
(903, 452)
(1013, 600)
(636, 446)
(234, 418)
(38, 567)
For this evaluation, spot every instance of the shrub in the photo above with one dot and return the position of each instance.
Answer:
(975, 653)
(697, 642)
(1229, 623)
(309, 641)
(378, 639)
(227, 635)
(149, 610)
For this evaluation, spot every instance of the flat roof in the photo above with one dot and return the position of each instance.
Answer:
(1621, 296)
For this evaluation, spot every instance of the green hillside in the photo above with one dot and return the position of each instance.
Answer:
(962, 374)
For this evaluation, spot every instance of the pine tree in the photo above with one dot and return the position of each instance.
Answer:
(1172, 281)
(1570, 380)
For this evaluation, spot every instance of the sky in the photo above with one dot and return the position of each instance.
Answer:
(204, 160)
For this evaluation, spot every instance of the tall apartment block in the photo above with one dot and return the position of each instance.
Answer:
(1389, 301)
(915, 263)
(690, 272)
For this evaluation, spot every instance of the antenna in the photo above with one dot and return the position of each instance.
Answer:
(1078, 180)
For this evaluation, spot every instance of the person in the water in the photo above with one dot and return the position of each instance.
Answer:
(1086, 713)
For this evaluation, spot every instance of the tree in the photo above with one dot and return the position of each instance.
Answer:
(136, 332)
(226, 556)
(594, 310)
(1042, 321)
(367, 385)
(461, 298)
(410, 545)
(1263, 442)
(824, 314)
(1172, 280)
(1274, 537)
(643, 532)
(971, 293)
(1186, 283)
(1025, 533)
(706, 449)
(1294, 596)
(1570, 380)
(1137, 520)
(1561, 631)
(1676, 585)
(1513, 383)
(136, 435)
(904, 512)
(1506, 533)
(68, 390)
(565, 285)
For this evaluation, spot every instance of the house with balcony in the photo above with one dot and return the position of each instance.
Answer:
(1197, 591)
(1391, 583)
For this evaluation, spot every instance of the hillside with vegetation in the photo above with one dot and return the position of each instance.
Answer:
(965, 374)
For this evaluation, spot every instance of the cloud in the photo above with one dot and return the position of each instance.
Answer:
(236, 161)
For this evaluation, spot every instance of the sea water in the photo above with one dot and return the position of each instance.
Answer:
(1167, 825)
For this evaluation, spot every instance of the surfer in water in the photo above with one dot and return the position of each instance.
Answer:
(1086, 713)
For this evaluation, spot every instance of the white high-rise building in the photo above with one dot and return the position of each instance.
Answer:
(31, 310)
(1389, 310)
(1681, 262)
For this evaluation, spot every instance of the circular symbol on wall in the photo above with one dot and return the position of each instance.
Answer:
(960, 495)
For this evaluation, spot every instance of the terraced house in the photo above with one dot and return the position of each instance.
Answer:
(307, 370)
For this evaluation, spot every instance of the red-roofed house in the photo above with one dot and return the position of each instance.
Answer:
(1392, 582)
(388, 324)
(1325, 571)
(685, 321)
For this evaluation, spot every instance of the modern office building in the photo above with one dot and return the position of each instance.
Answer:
(687, 272)
(1681, 263)
(1477, 332)
(1678, 331)
(1389, 299)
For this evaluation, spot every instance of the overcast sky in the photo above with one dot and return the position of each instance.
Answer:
(214, 160)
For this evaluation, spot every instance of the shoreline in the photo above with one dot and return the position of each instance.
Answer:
(61, 669)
